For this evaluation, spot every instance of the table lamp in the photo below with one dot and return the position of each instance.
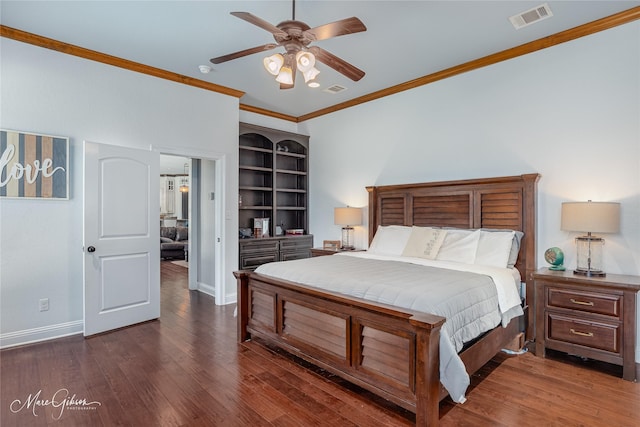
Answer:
(347, 217)
(590, 217)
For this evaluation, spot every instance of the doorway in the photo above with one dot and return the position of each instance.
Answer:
(202, 186)
(174, 210)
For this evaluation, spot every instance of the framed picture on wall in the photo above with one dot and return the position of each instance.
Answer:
(33, 166)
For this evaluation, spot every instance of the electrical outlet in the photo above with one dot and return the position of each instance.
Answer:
(44, 304)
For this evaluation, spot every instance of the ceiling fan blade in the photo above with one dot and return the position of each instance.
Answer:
(240, 54)
(339, 28)
(337, 64)
(252, 19)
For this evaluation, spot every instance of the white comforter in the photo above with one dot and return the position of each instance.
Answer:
(470, 309)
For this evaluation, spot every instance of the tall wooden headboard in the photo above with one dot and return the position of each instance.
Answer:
(502, 202)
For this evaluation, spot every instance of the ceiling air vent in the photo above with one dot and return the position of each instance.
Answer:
(531, 16)
(335, 89)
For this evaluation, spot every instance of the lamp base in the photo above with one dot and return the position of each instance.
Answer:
(589, 273)
(347, 239)
(589, 256)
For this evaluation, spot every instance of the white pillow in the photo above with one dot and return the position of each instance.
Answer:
(424, 242)
(494, 248)
(390, 240)
(459, 246)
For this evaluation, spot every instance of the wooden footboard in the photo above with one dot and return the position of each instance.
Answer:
(392, 353)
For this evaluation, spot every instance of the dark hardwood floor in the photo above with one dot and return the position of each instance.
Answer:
(186, 369)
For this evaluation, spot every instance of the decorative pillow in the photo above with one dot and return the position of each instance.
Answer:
(424, 242)
(459, 246)
(168, 232)
(494, 248)
(390, 240)
(182, 233)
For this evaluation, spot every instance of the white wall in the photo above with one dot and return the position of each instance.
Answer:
(571, 113)
(43, 91)
(268, 122)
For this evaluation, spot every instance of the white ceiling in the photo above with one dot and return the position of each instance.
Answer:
(404, 40)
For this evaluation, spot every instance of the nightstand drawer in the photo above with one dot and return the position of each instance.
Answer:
(590, 302)
(589, 334)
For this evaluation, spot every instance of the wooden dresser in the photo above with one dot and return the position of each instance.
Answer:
(255, 252)
(593, 317)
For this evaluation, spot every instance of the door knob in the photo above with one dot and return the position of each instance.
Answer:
(91, 249)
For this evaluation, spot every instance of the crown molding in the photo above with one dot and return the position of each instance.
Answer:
(265, 112)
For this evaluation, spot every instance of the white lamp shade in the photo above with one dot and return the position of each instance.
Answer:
(310, 74)
(273, 63)
(285, 76)
(305, 61)
(347, 216)
(592, 217)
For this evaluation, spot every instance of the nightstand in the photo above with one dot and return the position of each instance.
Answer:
(593, 317)
(323, 252)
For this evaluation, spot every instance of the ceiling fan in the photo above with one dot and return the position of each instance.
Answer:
(295, 37)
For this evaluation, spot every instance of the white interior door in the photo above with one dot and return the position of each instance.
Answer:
(121, 237)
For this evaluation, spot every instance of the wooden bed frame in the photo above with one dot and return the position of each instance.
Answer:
(390, 351)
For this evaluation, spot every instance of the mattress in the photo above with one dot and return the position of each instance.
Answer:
(473, 299)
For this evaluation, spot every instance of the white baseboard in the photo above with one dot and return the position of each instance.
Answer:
(207, 289)
(211, 290)
(231, 299)
(44, 333)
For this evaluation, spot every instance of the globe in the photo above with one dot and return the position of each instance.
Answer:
(555, 257)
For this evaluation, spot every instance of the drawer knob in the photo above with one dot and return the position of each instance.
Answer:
(575, 301)
(582, 334)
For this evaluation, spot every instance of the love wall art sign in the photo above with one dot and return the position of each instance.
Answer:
(33, 166)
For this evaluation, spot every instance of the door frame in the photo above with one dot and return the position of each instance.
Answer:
(194, 216)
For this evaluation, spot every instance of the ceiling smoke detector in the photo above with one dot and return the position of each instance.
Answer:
(531, 16)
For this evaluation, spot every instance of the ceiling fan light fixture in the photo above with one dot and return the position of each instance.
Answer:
(285, 76)
(310, 74)
(305, 60)
(273, 64)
